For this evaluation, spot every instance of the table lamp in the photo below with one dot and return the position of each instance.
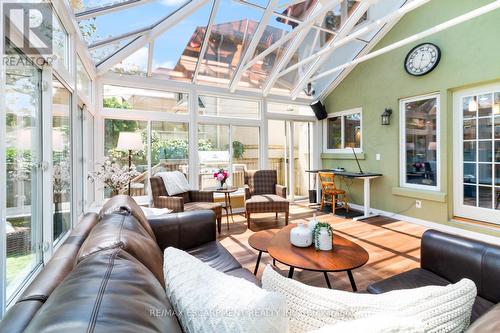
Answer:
(129, 141)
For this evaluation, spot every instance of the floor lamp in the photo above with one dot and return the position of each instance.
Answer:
(129, 141)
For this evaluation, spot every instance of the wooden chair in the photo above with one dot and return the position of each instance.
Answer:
(328, 188)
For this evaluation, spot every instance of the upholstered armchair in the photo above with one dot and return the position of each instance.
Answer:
(263, 194)
(184, 202)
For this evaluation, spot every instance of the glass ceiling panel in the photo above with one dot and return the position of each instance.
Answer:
(102, 53)
(176, 52)
(127, 20)
(80, 5)
(232, 30)
(135, 64)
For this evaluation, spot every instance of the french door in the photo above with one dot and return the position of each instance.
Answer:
(477, 154)
(290, 154)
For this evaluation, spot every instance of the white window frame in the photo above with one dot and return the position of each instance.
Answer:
(402, 141)
(342, 115)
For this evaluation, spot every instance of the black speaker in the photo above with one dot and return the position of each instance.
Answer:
(319, 110)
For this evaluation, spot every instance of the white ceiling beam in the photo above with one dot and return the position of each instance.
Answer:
(107, 9)
(390, 18)
(151, 49)
(254, 42)
(296, 43)
(344, 31)
(438, 28)
(307, 24)
(204, 45)
(158, 29)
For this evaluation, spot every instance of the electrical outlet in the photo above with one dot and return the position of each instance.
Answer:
(377, 157)
(418, 204)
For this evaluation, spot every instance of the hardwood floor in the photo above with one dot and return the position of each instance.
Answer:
(393, 245)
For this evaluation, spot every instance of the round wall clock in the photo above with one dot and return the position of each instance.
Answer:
(422, 59)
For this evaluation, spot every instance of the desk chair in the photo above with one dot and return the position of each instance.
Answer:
(328, 188)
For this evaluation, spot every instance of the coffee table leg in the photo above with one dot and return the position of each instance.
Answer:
(327, 280)
(257, 264)
(290, 272)
(351, 278)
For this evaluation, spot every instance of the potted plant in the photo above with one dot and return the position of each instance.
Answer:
(323, 236)
(113, 175)
(221, 176)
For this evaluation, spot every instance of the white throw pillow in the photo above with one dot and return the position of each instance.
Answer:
(440, 309)
(208, 301)
(175, 182)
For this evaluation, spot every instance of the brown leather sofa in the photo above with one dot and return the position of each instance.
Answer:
(447, 258)
(108, 275)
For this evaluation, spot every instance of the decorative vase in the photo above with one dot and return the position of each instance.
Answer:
(312, 224)
(222, 185)
(301, 236)
(325, 240)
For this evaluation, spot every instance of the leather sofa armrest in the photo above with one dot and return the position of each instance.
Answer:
(487, 323)
(201, 196)
(174, 203)
(247, 192)
(281, 191)
(184, 230)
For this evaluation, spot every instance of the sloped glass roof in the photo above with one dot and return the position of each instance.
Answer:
(268, 46)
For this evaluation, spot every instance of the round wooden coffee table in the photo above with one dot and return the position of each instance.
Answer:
(259, 241)
(345, 255)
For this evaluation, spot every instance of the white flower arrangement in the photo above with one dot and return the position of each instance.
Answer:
(113, 175)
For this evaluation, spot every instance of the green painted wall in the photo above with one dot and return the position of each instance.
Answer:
(470, 56)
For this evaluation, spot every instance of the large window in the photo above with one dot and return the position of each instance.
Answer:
(61, 158)
(213, 152)
(83, 82)
(245, 151)
(169, 147)
(23, 150)
(343, 131)
(229, 108)
(60, 42)
(147, 100)
(112, 131)
(420, 142)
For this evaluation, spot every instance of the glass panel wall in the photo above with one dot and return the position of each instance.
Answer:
(88, 156)
(225, 107)
(83, 82)
(169, 147)
(61, 158)
(302, 143)
(138, 158)
(213, 153)
(60, 42)
(246, 152)
(23, 187)
(145, 99)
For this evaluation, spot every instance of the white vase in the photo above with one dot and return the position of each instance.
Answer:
(301, 236)
(325, 241)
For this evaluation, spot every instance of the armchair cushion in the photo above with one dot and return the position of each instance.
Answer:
(174, 203)
(268, 203)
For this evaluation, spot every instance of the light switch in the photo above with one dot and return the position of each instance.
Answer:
(377, 157)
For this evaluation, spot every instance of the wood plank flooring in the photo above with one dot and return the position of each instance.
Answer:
(393, 245)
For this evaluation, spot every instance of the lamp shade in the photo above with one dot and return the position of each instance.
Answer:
(129, 141)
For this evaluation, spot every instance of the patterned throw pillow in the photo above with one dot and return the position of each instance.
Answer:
(207, 301)
(439, 309)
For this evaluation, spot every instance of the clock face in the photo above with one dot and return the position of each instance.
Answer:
(422, 59)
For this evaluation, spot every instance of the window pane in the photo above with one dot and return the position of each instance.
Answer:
(60, 41)
(278, 146)
(88, 140)
(113, 128)
(23, 150)
(302, 140)
(147, 100)
(61, 158)
(245, 152)
(484, 106)
(352, 131)
(169, 147)
(302, 110)
(83, 82)
(334, 128)
(213, 152)
(421, 138)
(224, 107)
